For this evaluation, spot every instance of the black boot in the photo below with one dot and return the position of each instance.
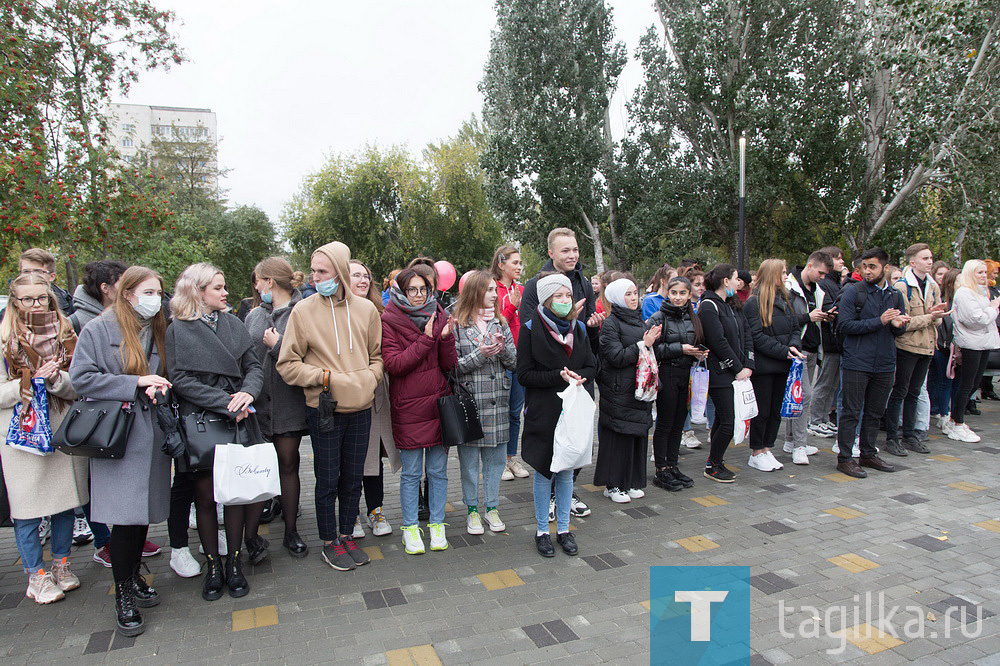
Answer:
(257, 549)
(129, 621)
(423, 508)
(681, 477)
(145, 596)
(971, 408)
(235, 580)
(272, 509)
(295, 545)
(211, 589)
(665, 480)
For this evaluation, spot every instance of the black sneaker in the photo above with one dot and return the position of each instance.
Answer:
(719, 473)
(914, 444)
(680, 476)
(568, 543)
(895, 448)
(664, 479)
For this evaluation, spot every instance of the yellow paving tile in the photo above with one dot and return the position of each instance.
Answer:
(839, 477)
(498, 580)
(869, 638)
(552, 528)
(592, 488)
(991, 525)
(264, 529)
(696, 544)
(149, 581)
(709, 500)
(374, 552)
(944, 457)
(448, 507)
(966, 486)
(645, 604)
(421, 655)
(853, 563)
(243, 620)
(263, 616)
(266, 616)
(844, 512)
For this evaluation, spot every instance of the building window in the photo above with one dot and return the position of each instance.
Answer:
(127, 142)
(128, 127)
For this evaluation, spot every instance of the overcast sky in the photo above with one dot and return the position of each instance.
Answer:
(293, 83)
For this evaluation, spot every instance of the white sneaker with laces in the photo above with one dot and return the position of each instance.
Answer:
(378, 523)
(578, 508)
(473, 523)
(818, 431)
(636, 493)
(788, 447)
(690, 440)
(799, 456)
(761, 462)
(967, 433)
(775, 463)
(438, 539)
(617, 495)
(192, 518)
(223, 546)
(183, 563)
(552, 510)
(65, 579)
(44, 529)
(413, 544)
(942, 421)
(506, 475)
(492, 519)
(517, 469)
(82, 533)
(359, 528)
(42, 588)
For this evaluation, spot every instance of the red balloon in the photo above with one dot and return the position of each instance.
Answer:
(461, 281)
(446, 275)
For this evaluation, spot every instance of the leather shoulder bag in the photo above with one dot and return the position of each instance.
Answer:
(459, 415)
(96, 428)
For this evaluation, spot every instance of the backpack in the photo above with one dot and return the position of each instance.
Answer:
(859, 302)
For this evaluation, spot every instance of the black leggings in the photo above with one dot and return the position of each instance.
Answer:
(770, 392)
(971, 375)
(288, 471)
(671, 410)
(723, 425)
(374, 488)
(181, 497)
(125, 549)
(241, 520)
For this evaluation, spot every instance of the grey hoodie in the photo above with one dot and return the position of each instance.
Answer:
(86, 308)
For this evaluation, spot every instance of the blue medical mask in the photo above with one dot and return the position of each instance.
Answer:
(327, 287)
(148, 305)
(730, 292)
(266, 298)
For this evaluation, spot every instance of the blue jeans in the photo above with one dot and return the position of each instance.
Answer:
(709, 414)
(437, 482)
(100, 531)
(563, 482)
(939, 384)
(493, 462)
(516, 407)
(30, 546)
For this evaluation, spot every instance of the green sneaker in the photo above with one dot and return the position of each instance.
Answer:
(413, 544)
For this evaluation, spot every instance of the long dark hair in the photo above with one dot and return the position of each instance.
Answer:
(714, 278)
(699, 336)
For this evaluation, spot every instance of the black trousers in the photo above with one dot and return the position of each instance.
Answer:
(671, 410)
(866, 392)
(339, 465)
(970, 376)
(181, 497)
(770, 392)
(723, 425)
(911, 371)
(125, 549)
(374, 487)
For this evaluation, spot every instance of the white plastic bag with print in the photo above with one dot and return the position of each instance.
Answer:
(573, 442)
(245, 474)
(745, 405)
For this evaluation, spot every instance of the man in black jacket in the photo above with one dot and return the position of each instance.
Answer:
(828, 379)
(43, 264)
(868, 360)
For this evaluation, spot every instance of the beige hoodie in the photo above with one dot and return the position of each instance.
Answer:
(341, 333)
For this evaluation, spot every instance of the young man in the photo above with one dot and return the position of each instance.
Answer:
(828, 380)
(914, 349)
(870, 317)
(808, 301)
(40, 262)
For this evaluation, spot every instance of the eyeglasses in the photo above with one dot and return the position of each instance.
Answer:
(413, 291)
(35, 271)
(361, 277)
(30, 301)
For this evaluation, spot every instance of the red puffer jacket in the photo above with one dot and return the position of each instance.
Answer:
(416, 365)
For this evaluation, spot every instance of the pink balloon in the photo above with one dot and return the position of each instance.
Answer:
(461, 281)
(446, 275)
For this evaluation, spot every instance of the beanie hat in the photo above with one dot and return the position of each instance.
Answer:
(549, 284)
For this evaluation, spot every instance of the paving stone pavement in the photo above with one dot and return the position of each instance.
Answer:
(927, 536)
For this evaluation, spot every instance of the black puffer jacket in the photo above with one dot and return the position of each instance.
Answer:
(831, 285)
(619, 356)
(678, 330)
(771, 343)
(727, 336)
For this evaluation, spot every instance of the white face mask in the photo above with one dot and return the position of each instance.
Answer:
(148, 305)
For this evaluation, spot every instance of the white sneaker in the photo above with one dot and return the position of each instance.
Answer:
(799, 456)
(760, 461)
(413, 544)
(438, 539)
(517, 469)
(966, 432)
(492, 519)
(223, 546)
(65, 579)
(774, 461)
(830, 426)
(818, 430)
(788, 447)
(636, 493)
(617, 495)
(856, 450)
(577, 508)
(359, 528)
(473, 523)
(42, 588)
(192, 518)
(82, 533)
(378, 523)
(942, 421)
(506, 475)
(552, 510)
(44, 530)
(690, 440)
(835, 448)
(183, 562)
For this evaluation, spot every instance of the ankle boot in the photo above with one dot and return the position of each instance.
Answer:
(211, 589)
(129, 620)
(145, 596)
(235, 580)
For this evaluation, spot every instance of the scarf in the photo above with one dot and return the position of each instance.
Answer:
(212, 319)
(418, 314)
(560, 329)
(34, 346)
(484, 317)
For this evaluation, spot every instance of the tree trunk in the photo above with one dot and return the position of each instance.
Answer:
(595, 237)
(610, 179)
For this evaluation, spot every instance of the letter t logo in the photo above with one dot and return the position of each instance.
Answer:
(701, 610)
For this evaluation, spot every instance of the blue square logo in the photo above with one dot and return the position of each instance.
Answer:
(699, 615)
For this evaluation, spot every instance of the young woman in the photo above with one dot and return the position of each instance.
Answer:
(281, 407)
(597, 284)
(380, 442)
(486, 353)
(506, 269)
(38, 343)
(776, 341)
(120, 356)
(938, 270)
(731, 357)
(677, 347)
(214, 368)
(941, 387)
(418, 354)
(552, 351)
(652, 301)
(624, 421)
(975, 317)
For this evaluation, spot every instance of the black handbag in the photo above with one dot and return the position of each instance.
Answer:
(96, 428)
(203, 431)
(326, 407)
(459, 416)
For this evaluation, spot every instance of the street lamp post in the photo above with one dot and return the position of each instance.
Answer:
(741, 244)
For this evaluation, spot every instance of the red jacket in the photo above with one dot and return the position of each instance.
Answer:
(509, 312)
(416, 365)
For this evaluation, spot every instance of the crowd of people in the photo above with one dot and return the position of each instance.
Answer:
(360, 371)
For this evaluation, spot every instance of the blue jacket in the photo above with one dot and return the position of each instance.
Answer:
(650, 304)
(869, 345)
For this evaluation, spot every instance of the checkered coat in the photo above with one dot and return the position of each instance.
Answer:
(487, 379)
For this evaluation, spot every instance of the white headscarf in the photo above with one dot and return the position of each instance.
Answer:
(615, 292)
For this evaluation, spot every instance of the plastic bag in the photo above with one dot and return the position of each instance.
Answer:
(245, 474)
(30, 429)
(791, 405)
(745, 405)
(647, 374)
(573, 441)
(698, 391)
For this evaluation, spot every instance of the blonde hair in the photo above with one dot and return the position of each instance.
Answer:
(281, 272)
(133, 355)
(470, 299)
(8, 327)
(967, 278)
(187, 303)
(558, 232)
(769, 285)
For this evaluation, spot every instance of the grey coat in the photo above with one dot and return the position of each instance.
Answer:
(380, 436)
(487, 379)
(134, 490)
(281, 408)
